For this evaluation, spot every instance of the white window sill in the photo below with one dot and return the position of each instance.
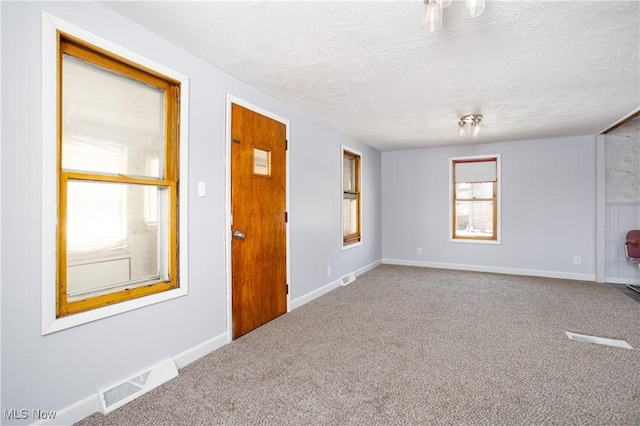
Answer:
(472, 241)
(52, 324)
(352, 245)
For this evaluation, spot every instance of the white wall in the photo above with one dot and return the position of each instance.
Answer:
(54, 371)
(316, 243)
(548, 208)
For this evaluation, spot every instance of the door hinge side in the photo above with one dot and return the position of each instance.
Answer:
(287, 288)
(286, 144)
(286, 217)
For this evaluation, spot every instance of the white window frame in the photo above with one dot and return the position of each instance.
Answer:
(344, 246)
(498, 198)
(49, 323)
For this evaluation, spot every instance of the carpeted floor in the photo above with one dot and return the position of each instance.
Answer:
(406, 345)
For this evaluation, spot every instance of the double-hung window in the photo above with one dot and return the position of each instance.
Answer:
(474, 198)
(118, 126)
(351, 197)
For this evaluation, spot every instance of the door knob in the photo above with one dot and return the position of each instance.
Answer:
(238, 235)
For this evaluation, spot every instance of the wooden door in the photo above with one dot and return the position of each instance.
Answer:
(258, 202)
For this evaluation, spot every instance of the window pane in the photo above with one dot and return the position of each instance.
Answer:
(110, 123)
(261, 162)
(474, 218)
(349, 214)
(110, 242)
(96, 217)
(474, 190)
(349, 174)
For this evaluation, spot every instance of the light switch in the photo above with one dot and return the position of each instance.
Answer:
(202, 189)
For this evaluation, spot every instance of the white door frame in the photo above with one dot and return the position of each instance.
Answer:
(231, 99)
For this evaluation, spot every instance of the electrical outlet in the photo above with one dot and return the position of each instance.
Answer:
(329, 271)
(577, 260)
(419, 251)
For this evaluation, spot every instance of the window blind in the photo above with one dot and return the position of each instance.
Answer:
(476, 171)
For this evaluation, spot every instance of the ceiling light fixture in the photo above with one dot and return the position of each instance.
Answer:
(433, 17)
(474, 122)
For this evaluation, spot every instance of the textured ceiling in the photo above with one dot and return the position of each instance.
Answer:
(534, 69)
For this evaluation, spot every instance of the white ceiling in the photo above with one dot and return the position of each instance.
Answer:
(534, 69)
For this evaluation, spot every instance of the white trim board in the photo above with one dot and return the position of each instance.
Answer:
(498, 195)
(296, 303)
(91, 404)
(347, 148)
(74, 412)
(368, 267)
(493, 269)
(229, 100)
(49, 321)
(192, 354)
(626, 281)
(601, 211)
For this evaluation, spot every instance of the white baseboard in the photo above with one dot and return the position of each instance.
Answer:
(626, 281)
(187, 357)
(89, 405)
(367, 268)
(494, 269)
(296, 303)
(74, 412)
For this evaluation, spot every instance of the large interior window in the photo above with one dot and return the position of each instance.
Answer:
(351, 197)
(475, 198)
(117, 179)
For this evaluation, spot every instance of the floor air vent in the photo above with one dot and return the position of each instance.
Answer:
(598, 340)
(120, 393)
(348, 279)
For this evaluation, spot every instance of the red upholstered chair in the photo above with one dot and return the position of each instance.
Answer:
(632, 252)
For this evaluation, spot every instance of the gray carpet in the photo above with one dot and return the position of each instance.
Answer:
(406, 345)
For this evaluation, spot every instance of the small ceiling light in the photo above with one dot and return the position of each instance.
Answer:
(473, 8)
(461, 128)
(473, 120)
(433, 16)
